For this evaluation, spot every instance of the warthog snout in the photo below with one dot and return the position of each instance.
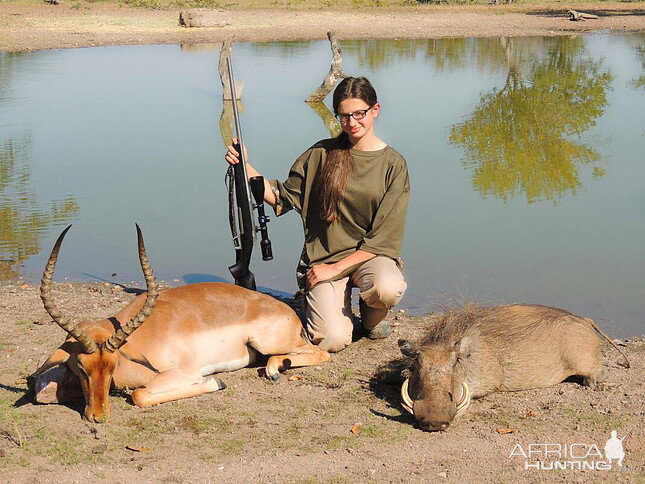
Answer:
(434, 392)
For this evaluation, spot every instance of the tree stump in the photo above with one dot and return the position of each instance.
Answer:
(204, 17)
(335, 72)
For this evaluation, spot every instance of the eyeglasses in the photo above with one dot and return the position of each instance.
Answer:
(357, 115)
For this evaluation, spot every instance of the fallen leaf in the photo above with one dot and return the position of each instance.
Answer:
(295, 378)
(25, 286)
(40, 323)
(21, 381)
(530, 413)
(356, 428)
(505, 431)
(137, 449)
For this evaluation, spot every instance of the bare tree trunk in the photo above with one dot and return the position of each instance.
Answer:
(223, 72)
(335, 72)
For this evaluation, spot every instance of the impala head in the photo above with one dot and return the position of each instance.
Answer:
(434, 390)
(94, 351)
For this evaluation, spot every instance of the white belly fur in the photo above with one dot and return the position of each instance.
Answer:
(230, 365)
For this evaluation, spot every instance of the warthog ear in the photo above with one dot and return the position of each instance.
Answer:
(408, 349)
(465, 346)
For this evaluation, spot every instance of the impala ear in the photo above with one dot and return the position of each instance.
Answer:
(135, 356)
(60, 356)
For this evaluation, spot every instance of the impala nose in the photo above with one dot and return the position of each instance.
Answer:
(97, 417)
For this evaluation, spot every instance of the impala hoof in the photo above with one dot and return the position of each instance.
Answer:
(215, 384)
(274, 377)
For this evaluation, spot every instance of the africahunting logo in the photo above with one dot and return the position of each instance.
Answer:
(578, 456)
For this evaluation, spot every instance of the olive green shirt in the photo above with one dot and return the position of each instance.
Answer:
(372, 211)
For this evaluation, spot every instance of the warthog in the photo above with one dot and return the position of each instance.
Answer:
(475, 351)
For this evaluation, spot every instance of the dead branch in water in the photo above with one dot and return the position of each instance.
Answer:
(575, 16)
(335, 72)
(223, 72)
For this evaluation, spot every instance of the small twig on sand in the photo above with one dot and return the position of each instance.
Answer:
(14, 439)
(15, 425)
(335, 72)
(576, 16)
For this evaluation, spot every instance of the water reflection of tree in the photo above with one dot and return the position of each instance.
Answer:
(639, 83)
(486, 54)
(22, 221)
(285, 49)
(227, 120)
(326, 117)
(519, 137)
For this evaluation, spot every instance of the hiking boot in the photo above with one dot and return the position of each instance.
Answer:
(380, 331)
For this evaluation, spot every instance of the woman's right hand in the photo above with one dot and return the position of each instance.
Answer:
(232, 156)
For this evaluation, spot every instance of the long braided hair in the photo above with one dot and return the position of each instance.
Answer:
(338, 166)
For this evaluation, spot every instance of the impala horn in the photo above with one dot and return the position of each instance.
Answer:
(89, 346)
(118, 339)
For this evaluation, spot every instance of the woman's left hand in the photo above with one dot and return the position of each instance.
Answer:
(320, 273)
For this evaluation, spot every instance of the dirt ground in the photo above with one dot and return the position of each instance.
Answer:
(299, 429)
(31, 27)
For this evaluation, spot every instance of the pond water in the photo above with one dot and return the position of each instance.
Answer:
(526, 158)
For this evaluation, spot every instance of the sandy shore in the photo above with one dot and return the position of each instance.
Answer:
(25, 28)
(340, 422)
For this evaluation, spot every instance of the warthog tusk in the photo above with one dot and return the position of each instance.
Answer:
(465, 401)
(406, 401)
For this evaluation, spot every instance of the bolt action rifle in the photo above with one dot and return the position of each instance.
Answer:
(243, 227)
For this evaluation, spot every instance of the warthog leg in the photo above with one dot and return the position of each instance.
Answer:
(174, 385)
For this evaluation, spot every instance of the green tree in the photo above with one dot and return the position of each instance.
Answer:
(521, 138)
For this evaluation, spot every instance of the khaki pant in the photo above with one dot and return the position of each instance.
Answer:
(328, 305)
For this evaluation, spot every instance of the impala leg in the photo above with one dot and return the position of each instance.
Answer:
(174, 385)
(309, 356)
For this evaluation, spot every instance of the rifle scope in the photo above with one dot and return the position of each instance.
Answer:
(257, 188)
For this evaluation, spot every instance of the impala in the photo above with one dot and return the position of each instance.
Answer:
(164, 344)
